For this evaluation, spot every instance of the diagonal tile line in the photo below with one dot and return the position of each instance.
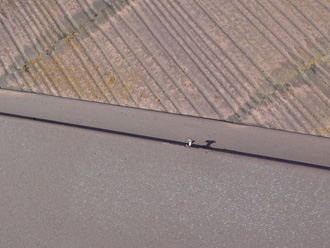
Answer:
(280, 86)
(73, 32)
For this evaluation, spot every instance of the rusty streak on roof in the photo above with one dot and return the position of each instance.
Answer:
(261, 62)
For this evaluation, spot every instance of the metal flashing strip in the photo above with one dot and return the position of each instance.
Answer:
(215, 134)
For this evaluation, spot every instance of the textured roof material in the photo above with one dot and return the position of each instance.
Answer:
(63, 186)
(262, 62)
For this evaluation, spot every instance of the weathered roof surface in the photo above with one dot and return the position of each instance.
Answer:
(63, 186)
(263, 62)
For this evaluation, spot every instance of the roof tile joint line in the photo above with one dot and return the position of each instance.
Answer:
(73, 33)
(286, 84)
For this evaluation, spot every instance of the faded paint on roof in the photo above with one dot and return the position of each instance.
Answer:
(261, 62)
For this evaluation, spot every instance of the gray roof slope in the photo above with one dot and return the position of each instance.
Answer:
(63, 186)
(262, 62)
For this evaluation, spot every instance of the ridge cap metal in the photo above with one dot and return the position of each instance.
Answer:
(208, 133)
